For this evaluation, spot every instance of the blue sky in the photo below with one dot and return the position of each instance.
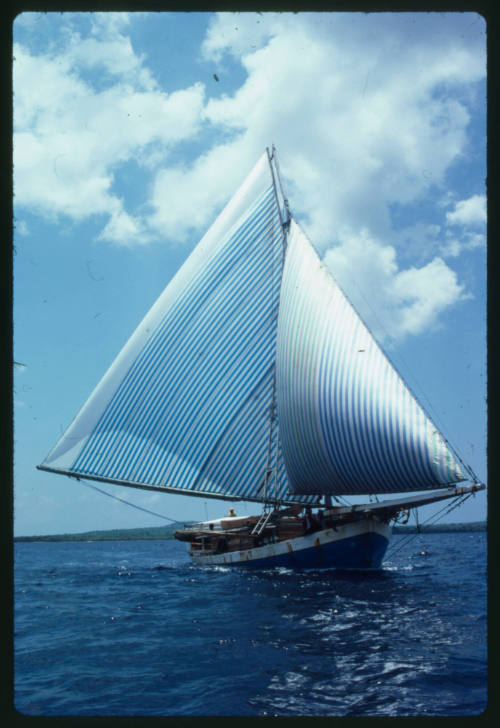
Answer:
(132, 131)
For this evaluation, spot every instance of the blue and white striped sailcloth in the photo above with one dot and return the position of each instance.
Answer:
(349, 424)
(186, 405)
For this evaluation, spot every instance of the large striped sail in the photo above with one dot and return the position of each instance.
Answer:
(186, 405)
(253, 378)
(349, 424)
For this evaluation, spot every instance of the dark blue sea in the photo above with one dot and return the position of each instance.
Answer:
(132, 628)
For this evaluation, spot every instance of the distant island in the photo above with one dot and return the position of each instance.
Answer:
(159, 533)
(442, 527)
(167, 532)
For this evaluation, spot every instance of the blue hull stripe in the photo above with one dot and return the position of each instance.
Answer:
(365, 551)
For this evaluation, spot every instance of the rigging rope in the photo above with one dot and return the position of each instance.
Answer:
(456, 503)
(122, 500)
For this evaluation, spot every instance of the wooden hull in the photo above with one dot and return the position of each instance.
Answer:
(358, 545)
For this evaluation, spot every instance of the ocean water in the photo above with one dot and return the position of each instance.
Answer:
(133, 628)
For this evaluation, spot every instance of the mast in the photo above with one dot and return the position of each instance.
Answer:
(285, 225)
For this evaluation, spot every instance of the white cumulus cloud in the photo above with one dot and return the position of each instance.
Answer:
(367, 112)
(394, 301)
(71, 135)
(353, 107)
(468, 212)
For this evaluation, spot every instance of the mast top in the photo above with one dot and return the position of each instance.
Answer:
(275, 172)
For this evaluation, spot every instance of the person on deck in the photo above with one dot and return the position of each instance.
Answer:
(308, 521)
(311, 521)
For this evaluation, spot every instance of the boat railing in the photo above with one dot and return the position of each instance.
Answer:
(202, 527)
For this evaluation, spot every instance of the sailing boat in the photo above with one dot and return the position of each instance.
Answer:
(252, 378)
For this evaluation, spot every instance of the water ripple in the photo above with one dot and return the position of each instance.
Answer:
(134, 628)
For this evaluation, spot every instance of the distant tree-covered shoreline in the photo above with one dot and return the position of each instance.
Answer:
(116, 534)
